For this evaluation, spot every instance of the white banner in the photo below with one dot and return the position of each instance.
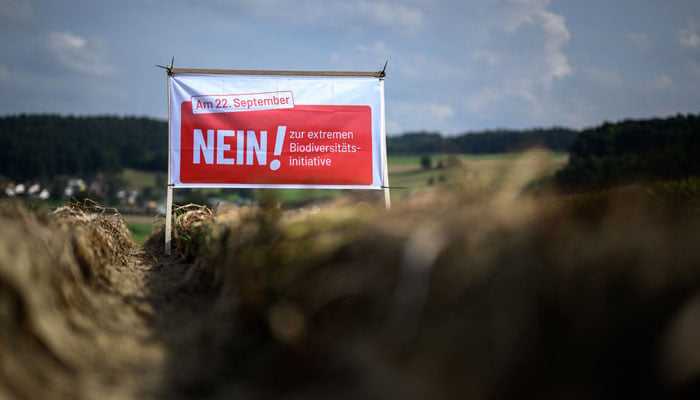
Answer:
(276, 131)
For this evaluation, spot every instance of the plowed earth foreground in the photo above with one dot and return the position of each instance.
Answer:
(79, 310)
(495, 297)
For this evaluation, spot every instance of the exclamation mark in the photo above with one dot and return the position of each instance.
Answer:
(279, 142)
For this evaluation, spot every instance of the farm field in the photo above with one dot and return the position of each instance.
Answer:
(467, 288)
(140, 225)
(473, 172)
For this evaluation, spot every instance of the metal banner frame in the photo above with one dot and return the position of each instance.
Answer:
(171, 71)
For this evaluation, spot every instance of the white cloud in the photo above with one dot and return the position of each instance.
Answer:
(512, 14)
(77, 53)
(688, 37)
(557, 36)
(663, 82)
(66, 41)
(523, 64)
(391, 15)
(527, 24)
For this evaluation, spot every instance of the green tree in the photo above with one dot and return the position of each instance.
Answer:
(426, 162)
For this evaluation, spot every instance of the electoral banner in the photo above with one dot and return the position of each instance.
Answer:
(276, 131)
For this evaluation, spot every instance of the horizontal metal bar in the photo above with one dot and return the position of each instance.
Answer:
(173, 71)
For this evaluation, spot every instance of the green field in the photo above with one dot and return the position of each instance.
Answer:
(140, 226)
(139, 231)
(475, 172)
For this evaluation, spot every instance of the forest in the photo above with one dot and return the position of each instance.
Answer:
(483, 142)
(633, 151)
(41, 147)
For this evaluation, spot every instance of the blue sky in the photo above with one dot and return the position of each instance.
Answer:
(454, 66)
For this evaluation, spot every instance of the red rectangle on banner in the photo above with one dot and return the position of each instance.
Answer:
(303, 145)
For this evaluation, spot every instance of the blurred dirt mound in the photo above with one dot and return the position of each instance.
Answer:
(191, 224)
(99, 236)
(493, 297)
(59, 319)
(484, 296)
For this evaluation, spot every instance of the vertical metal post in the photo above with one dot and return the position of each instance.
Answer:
(385, 167)
(169, 190)
(168, 220)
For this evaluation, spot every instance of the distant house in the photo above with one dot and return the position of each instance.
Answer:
(74, 186)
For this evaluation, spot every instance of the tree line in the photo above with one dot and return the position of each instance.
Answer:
(632, 151)
(41, 147)
(485, 142)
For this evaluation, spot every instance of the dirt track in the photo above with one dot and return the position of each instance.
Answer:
(150, 318)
